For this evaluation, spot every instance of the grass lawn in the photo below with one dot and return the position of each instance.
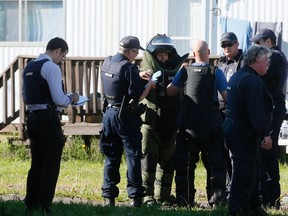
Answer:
(78, 190)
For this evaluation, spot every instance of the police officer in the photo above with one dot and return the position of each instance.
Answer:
(200, 128)
(43, 94)
(122, 90)
(246, 129)
(229, 63)
(159, 127)
(275, 80)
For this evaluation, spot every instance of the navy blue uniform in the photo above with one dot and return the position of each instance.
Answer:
(275, 80)
(247, 122)
(121, 78)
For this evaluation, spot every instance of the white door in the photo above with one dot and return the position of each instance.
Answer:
(190, 20)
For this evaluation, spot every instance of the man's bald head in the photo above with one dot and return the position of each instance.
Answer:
(200, 46)
(201, 51)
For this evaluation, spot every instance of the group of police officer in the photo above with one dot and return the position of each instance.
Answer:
(181, 117)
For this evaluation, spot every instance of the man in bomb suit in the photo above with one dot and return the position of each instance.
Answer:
(159, 127)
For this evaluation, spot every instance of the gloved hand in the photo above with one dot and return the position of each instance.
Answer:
(156, 75)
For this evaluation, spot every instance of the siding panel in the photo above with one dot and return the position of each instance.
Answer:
(97, 26)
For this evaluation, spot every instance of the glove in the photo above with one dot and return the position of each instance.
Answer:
(156, 75)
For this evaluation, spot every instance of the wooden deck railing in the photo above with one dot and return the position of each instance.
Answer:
(79, 73)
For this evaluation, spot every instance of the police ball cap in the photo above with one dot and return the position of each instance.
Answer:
(229, 37)
(130, 42)
(264, 34)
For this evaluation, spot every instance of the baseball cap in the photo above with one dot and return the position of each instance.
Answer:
(229, 37)
(264, 34)
(130, 42)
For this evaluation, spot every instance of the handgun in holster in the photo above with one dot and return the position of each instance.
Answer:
(104, 105)
(131, 108)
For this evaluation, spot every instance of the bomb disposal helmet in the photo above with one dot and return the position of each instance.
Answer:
(161, 43)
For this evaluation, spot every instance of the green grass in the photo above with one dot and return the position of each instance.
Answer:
(80, 180)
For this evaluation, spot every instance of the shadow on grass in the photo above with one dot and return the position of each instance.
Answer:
(13, 208)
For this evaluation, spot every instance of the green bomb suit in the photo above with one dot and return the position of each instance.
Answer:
(159, 130)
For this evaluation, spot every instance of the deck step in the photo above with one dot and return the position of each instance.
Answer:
(82, 129)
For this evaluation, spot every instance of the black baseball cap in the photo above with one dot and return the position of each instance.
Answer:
(130, 42)
(228, 37)
(264, 34)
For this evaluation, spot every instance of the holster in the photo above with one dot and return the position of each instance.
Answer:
(104, 105)
(131, 109)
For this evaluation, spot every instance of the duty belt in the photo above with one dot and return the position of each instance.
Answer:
(116, 106)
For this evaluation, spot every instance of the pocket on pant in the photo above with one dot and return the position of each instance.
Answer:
(107, 145)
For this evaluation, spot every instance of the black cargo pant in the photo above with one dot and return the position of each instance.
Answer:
(270, 178)
(187, 155)
(45, 133)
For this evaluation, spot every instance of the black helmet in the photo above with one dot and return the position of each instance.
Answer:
(161, 43)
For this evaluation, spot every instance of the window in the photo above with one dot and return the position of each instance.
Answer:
(31, 20)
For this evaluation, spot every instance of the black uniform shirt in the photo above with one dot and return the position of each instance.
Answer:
(248, 100)
(276, 76)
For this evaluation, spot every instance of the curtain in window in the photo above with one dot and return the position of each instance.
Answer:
(38, 20)
(44, 20)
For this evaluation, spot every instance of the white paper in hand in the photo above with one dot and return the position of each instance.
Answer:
(82, 100)
(156, 75)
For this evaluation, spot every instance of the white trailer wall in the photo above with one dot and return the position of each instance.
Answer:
(94, 27)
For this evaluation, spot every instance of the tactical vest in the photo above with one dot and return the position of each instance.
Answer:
(114, 87)
(230, 66)
(35, 86)
(162, 110)
(197, 103)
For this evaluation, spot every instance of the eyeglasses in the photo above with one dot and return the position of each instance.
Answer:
(135, 51)
(63, 55)
(227, 44)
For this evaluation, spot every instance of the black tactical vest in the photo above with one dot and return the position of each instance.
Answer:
(197, 102)
(114, 87)
(35, 86)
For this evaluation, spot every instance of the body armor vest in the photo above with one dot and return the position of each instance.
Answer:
(114, 87)
(36, 87)
(197, 102)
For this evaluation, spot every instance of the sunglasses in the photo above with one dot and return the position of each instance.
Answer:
(227, 44)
